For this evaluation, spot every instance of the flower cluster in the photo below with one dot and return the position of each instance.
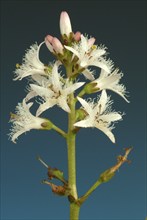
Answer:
(76, 53)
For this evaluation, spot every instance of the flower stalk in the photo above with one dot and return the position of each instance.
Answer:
(71, 148)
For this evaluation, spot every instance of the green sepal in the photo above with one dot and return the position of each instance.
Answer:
(47, 125)
(80, 114)
(91, 88)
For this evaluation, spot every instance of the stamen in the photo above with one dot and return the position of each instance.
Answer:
(100, 108)
(99, 112)
(43, 162)
(18, 65)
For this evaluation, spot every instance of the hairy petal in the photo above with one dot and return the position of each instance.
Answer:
(84, 123)
(73, 87)
(46, 105)
(107, 132)
(63, 103)
(86, 105)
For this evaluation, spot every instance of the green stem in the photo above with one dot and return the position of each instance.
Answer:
(71, 138)
(88, 193)
(81, 93)
(59, 130)
(74, 211)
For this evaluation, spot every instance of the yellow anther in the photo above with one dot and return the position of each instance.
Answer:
(93, 47)
(17, 65)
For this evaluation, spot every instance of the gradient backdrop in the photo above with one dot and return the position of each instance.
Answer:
(120, 25)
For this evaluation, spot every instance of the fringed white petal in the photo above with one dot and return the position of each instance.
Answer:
(56, 77)
(102, 103)
(119, 93)
(32, 72)
(88, 74)
(73, 87)
(63, 104)
(84, 123)
(46, 105)
(41, 91)
(30, 95)
(86, 105)
(110, 117)
(75, 52)
(107, 132)
(17, 134)
(101, 64)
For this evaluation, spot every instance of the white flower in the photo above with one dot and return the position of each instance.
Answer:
(31, 63)
(54, 91)
(24, 121)
(111, 82)
(90, 55)
(65, 24)
(99, 115)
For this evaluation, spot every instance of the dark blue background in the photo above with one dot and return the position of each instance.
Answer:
(120, 25)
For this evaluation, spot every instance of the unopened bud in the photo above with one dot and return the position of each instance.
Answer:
(91, 88)
(80, 114)
(77, 36)
(48, 42)
(65, 24)
(91, 41)
(57, 46)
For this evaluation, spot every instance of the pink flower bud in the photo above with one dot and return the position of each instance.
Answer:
(65, 24)
(48, 42)
(91, 41)
(77, 36)
(57, 46)
(49, 38)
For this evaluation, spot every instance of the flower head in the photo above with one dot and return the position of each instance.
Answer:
(110, 82)
(54, 91)
(24, 121)
(31, 63)
(99, 115)
(65, 24)
(90, 55)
